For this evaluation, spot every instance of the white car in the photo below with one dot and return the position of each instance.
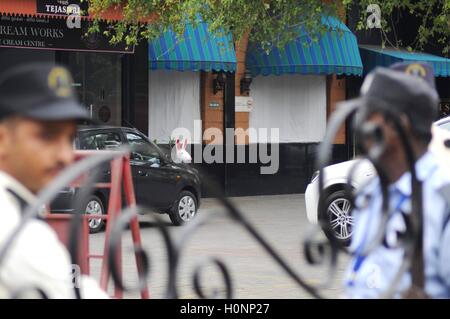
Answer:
(337, 206)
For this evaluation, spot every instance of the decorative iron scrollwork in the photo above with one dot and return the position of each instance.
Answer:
(318, 251)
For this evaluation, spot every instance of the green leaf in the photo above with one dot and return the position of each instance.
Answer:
(269, 22)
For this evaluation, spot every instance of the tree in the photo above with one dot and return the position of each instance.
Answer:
(270, 22)
(432, 16)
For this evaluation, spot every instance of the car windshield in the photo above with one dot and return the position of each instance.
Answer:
(100, 141)
(142, 150)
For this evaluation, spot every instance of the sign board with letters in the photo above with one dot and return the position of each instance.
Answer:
(62, 7)
(243, 104)
(214, 105)
(53, 33)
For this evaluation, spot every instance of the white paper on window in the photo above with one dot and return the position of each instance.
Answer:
(296, 104)
(174, 102)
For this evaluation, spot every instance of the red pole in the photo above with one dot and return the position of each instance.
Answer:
(114, 206)
(134, 224)
(120, 173)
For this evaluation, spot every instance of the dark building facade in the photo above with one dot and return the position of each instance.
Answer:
(128, 87)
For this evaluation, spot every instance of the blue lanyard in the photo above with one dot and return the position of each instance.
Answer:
(359, 256)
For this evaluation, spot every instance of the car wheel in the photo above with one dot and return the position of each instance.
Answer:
(337, 217)
(94, 206)
(184, 209)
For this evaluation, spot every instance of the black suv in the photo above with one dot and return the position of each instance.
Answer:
(159, 183)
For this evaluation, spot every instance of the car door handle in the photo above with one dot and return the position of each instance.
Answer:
(142, 173)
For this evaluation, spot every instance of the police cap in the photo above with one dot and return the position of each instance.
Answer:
(389, 90)
(419, 69)
(40, 91)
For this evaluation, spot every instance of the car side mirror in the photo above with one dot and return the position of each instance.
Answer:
(136, 156)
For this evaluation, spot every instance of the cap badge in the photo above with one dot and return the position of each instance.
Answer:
(416, 69)
(59, 80)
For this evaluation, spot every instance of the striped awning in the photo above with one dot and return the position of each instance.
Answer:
(336, 52)
(374, 56)
(197, 50)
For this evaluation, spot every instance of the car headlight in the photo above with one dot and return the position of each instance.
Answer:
(315, 176)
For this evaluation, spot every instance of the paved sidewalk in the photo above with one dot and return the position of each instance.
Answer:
(281, 219)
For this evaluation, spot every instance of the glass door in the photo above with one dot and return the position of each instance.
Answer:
(98, 81)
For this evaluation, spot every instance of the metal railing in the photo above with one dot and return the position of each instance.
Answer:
(318, 252)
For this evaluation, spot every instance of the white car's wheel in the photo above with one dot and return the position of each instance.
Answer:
(337, 217)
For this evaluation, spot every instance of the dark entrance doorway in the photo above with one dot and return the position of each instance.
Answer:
(98, 81)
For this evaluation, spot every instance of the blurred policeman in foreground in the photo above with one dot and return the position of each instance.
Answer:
(408, 91)
(38, 117)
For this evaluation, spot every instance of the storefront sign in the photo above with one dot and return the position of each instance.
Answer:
(62, 7)
(243, 104)
(214, 105)
(53, 34)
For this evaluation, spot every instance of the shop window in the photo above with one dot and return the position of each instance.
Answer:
(98, 82)
(174, 102)
(295, 104)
